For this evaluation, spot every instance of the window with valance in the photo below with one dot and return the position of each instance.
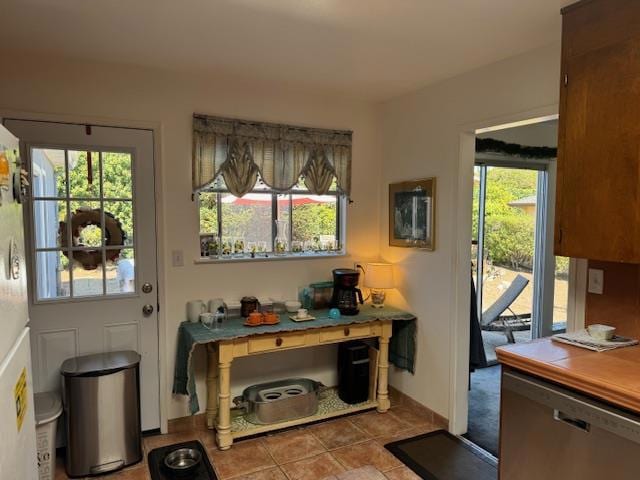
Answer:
(241, 150)
(269, 190)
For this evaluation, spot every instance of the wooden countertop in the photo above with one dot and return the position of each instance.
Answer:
(612, 376)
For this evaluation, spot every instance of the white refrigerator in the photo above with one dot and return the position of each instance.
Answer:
(18, 459)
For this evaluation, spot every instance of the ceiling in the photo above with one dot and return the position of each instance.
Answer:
(366, 49)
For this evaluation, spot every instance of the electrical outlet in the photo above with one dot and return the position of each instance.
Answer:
(595, 282)
(177, 258)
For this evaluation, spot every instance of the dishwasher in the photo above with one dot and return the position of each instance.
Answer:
(548, 432)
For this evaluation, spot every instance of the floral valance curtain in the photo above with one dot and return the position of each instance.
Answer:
(241, 150)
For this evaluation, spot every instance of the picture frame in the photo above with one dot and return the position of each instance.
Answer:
(412, 212)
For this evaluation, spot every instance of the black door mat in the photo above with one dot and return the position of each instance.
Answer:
(158, 471)
(441, 456)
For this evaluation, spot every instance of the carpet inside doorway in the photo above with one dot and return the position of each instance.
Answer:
(441, 456)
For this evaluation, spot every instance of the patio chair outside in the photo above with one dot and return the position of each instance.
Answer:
(493, 320)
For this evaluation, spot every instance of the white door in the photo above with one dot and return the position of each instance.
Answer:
(94, 276)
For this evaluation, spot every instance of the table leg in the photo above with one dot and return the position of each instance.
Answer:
(383, 369)
(223, 429)
(212, 385)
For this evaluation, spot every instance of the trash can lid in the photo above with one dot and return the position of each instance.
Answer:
(99, 364)
(47, 408)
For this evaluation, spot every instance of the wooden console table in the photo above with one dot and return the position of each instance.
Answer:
(234, 341)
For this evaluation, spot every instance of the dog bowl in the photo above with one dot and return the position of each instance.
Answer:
(183, 461)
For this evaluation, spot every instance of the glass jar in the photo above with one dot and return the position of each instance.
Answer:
(281, 243)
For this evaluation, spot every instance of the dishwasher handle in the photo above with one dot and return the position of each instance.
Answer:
(573, 421)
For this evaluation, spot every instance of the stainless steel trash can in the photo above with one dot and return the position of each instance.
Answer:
(101, 399)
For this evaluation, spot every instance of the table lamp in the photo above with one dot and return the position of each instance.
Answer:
(378, 277)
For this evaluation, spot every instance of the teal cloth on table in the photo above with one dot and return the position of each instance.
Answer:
(401, 350)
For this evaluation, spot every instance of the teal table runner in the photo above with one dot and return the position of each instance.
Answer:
(401, 347)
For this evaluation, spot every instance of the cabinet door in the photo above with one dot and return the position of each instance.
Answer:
(598, 201)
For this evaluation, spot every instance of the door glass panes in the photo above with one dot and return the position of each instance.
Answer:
(509, 235)
(52, 279)
(119, 217)
(49, 172)
(47, 215)
(121, 274)
(118, 180)
(84, 174)
(96, 188)
(86, 283)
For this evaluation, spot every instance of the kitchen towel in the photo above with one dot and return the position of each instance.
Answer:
(582, 339)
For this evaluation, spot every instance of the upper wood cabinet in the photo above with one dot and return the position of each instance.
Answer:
(598, 187)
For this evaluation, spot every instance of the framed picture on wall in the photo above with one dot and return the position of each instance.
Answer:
(412, 214)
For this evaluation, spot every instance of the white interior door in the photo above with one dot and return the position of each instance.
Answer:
(93, 272)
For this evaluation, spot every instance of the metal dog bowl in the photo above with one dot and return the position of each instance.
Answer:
(183, 460)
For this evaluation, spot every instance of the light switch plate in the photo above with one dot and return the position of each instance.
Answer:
(177, 258)
(596, 281)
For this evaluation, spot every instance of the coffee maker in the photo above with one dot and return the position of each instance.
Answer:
(345, 292)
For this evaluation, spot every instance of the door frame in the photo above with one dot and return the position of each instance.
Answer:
(461, 287)
(156, 128)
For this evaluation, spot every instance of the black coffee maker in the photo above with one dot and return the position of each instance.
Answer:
(345, 292)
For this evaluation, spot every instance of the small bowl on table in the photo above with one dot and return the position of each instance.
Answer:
(292, 306)
(601, 332)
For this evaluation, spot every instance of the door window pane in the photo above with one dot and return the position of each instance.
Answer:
(85, 224)
(49, 173)
(47, 215)
(52, 275)
(87, 282)
(121, 274)
(119, 215)
(84, 174)
(117, 178)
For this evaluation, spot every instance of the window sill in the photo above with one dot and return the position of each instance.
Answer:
(271, 258)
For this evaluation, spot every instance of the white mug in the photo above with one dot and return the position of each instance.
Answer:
(207, 319)
(194, 309)
(214, 304)
(303, 313)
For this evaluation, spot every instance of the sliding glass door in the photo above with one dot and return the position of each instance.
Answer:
(518, 280)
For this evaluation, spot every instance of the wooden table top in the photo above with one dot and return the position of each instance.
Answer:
(612, 376)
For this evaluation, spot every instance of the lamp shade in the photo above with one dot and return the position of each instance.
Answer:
(379, 275)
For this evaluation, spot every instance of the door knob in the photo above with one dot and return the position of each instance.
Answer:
(147, 287)
(147, 310)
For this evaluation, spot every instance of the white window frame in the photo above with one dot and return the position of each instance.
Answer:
(341, 204)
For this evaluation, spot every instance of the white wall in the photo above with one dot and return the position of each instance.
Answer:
(123, 94)
(421, 138)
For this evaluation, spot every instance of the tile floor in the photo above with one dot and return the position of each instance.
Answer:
(348, 448)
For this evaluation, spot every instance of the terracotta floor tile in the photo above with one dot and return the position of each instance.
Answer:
(242, 458)
(402, 473)
(269, 474)
(367, 453)
(412, 432)
(156, 441)
(338, 433)
(208, 438)
(294, 445)
(413, 416)
(363, 473)
(313, 468)
(376, 424)
(135, 474)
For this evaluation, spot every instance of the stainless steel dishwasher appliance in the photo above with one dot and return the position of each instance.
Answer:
(101, 399)
(549, 432)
